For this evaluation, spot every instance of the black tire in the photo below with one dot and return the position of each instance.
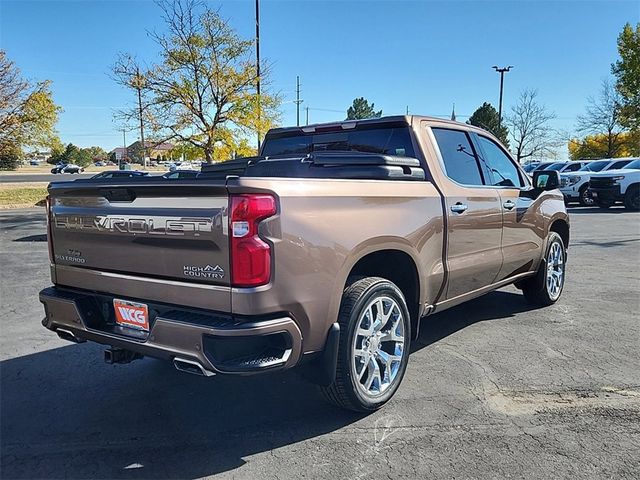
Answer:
(603, 204)
(584, 198)
(632, 198)
(357, 296)
(536, 289)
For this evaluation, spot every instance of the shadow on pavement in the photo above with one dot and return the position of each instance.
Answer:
(495, 305)
(64, 413)
(32, 238)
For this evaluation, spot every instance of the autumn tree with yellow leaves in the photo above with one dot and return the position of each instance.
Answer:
(202, 91)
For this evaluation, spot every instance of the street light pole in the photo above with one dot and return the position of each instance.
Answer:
(258, 64)
(501, 71)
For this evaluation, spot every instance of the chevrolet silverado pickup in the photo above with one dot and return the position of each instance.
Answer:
(622, 185)
(575, 185)
(324, 252)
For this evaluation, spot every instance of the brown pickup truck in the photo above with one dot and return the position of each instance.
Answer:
(324, 252)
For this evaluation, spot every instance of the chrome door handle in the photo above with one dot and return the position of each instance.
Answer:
(459, 207)
(509, 205)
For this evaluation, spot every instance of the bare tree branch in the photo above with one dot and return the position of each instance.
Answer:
(602, 117)
(529, 125)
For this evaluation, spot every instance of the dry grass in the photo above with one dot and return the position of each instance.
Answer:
(22, 195)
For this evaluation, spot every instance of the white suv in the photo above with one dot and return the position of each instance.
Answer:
(574, 186)
(622, 185)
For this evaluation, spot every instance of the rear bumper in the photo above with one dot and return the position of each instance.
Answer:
(218, 343)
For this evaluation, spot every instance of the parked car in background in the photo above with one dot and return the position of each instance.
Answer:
(120, 174)
(67, 168)
(542, 166)
(575, 185)
(181, 174)
(568, 166)
(34, 163)
(530, 167)
(180, 166)
(325, 251)
(621, 185)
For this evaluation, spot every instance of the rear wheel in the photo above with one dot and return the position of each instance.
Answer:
(632, 198)
(374, 345)
(546, 287)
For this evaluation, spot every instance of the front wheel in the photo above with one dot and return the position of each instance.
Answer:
(546, 286)
(374, 345)
(586, 200)
(632, 198)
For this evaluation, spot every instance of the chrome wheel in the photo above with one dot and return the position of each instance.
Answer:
(585, 198)
(555, 270)
(378, 346)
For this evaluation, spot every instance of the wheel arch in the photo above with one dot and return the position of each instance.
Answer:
(561, 227)
(398, 266)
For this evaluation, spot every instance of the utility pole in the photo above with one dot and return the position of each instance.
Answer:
(258, 65)
(407, 109)
(124, 146)
(307, 108)
(501, 71)
(138, 86)
(298, 101)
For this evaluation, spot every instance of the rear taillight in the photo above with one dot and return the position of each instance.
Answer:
(250, 255)
(49, 239)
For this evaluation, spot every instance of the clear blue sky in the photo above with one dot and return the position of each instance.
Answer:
(423, 54)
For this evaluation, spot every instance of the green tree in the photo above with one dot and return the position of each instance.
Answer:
(203, 89)
(97, 153)
(627, 72)
(56, 148)
(28, 113)
(360, 109)
(73, 154)
(10, 156)
(486, 116)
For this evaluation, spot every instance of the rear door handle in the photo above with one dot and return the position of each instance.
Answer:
(509, 205)
(459, 208)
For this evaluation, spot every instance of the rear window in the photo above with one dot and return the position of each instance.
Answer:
(387, 141)
(460, 161)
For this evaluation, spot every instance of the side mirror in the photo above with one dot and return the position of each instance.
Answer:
(546, 180)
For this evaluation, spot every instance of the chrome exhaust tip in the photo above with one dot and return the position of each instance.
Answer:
(68, 335)
(190, 366)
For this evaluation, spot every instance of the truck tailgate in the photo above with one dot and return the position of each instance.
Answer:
(150, 228)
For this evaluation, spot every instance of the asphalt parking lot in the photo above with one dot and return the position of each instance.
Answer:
(494, 389)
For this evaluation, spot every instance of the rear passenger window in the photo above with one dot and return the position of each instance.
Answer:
(460, 161)
(502, 169)
(572, 167)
